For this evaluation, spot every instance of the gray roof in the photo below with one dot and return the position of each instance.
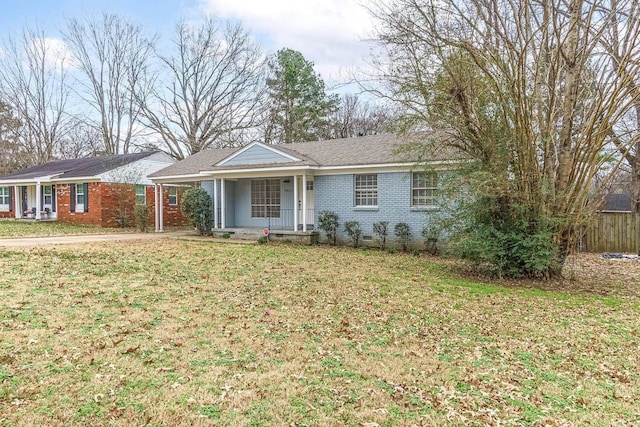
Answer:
(76, 168)
(617, 202)
(364, 150)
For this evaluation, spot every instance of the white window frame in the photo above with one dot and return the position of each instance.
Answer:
(141, 194)
(365, 192)
(424, 189)
(45, 196)
(5, 198)
(80, 192)
(266, 198)
(173, 190)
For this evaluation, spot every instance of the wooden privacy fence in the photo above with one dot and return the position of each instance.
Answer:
(613, 232)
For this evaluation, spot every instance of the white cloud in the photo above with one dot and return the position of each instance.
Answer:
(328, 32)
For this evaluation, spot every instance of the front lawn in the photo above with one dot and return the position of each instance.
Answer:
(181, 333)
(12, 228)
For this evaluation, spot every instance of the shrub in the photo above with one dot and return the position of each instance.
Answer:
(403, 233)
(328, 222)
(505, 238)
(141, 214)
(431, 235)
(196, 206)
(354, 231)
(263, 239)
(381, 229)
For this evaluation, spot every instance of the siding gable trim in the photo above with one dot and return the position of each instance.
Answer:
(251, 146)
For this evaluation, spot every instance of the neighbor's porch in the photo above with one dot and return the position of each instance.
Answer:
(35, 202)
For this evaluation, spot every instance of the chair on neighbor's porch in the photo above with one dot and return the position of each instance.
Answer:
(30, 213)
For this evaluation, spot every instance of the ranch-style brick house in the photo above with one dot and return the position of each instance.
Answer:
(100, 191)
(283, 188)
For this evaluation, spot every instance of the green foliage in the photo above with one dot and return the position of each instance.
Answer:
(431, 234)
(381, 229)
(328, 222)
(263, 239)
(300, 107)
(196, 206)
(354, 231)
(505, 238)
(141, 214)
(403, 233)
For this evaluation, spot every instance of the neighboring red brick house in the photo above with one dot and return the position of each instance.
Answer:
(99, 191)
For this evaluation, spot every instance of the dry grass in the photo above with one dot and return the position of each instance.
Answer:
(196, 333)
(12, 228)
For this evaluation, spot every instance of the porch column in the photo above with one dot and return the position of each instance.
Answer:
(161, 214)
(17, 203)
(156, 211)
(223, 203)
(215, 203)
(304, 203)
(295, 203)
(38, 199)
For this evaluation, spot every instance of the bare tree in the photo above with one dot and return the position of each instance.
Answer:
(33, 76)
(617, 43)
(357, 118)
(12, 155)
(80, 141)
(113, 56)
(529, 90)
(210, 90)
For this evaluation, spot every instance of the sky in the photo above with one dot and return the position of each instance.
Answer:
(330, 33)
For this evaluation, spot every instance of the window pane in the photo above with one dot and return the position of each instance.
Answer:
(265, 198)
(366, 191)
(424, 188)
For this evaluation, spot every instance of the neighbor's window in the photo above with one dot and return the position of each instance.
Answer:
(80, 196)
(366, 190)
(309, 185)
(47, 191)
(5, 198)
(424, 187)
(173, 196)
(141, 194)
(265, 198)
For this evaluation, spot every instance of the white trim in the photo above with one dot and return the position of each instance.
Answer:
(295, 203)
(38, 200)
(215, 203)
(253, 144)
(17, 202)
(304, 203)
(223, 203)
(156, 212)
(161, 216)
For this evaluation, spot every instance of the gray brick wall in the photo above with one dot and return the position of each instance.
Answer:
(336, 193)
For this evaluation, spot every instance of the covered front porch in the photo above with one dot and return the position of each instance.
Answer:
(282, 204)
(35, 201)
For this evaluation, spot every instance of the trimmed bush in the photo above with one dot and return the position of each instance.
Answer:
(328, 222)
(403, 233)
(141, 214)
(381, 230)
(196, 206)
(354, 231)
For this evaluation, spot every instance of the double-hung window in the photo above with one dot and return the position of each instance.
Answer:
(265, 198)
(424, 188)
(5, 198)
(366, 190)
(173, 196)
(80, 196)
(141, 194)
